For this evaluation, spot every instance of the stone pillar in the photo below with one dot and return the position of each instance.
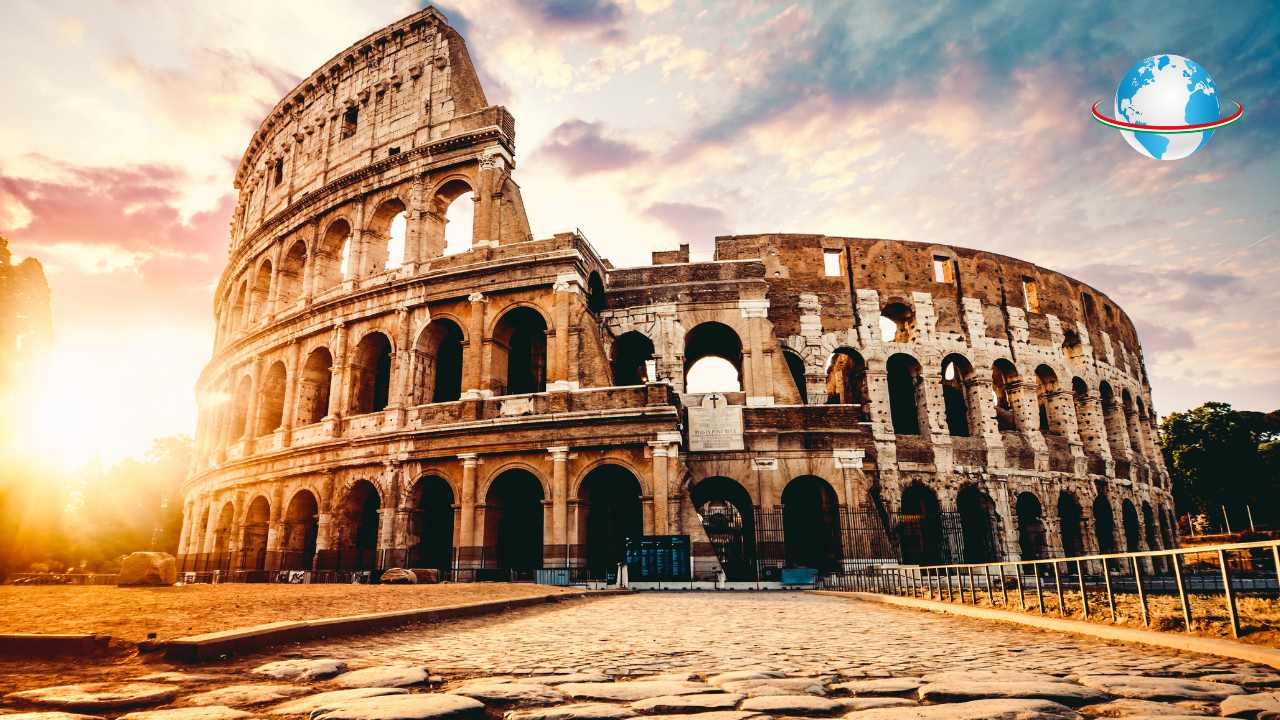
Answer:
(337, 379)
(309, 267)
(293, 376)
(1117, 432)
(186, 530)
(567, 289)
(400, 361)
(413, 223)
(757, 376)
(467, 533)
(473, 383)
(660, 486)
(559, 535)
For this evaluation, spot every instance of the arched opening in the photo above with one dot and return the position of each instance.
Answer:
(300, 529)
(201, 529)
(358, 527)
(609, 514)
(1071, 522)
(450, 224)
(1165, 526)
(1113, 417)
(1032, 538)
(1132, 533)
(631, 351)
(260, 291)
(1003, 377)
(811, 524)
(1080, 398)
(728, 517)
(956, 372)
(712, 359)
(222, 534)
(1149, 524)
(240, 409)
(920, 526)
(240, 307)
(386, 248)
(438, 362)
(292, 272)
(431, 524)
(333, 256)
(897, 323)
(978, 523)
(1104, 525)
(371, 374)
(1072, 348)
(1051, 420)
(846, 378)
(253, 543)
(595, 293)
(513, 522)
(520, 352)
(271, 399)
(795, 366)
(313, 389)
(904, 394)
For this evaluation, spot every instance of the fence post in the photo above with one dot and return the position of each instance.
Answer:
(1084, 592)
(1035, 570)
(1022, 594)
(1004, 586)
(1142, 595)
(1182, 591)
(1111, 598)
(1230, 594)
(1057, 585)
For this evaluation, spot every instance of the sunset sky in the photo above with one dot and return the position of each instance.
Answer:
(644, 122)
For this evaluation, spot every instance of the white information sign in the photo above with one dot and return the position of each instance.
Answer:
(715, 426)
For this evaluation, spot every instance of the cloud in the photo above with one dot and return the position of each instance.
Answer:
(582, 148)
(1157, 338)
(697, 225)
(601, 17)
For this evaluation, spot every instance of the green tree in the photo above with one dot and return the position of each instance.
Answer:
(1219, 457)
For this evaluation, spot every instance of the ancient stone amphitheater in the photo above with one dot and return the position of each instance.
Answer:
(384, 394)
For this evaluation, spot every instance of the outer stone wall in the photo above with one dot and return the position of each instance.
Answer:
(524, 404)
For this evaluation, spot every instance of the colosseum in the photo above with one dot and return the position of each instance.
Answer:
(386, 393)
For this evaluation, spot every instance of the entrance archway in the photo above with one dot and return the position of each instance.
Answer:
(1070, 522)
(920, 526)
(253, 545)
(1032, 538)
(300, 529)
(727, 516)
(358, 547)
(1104, 525)
(978, 522)
(609, 514)
(811, 524)
(431, 524)
(513, 522)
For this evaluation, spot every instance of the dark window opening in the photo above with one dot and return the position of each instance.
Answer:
(349, 121)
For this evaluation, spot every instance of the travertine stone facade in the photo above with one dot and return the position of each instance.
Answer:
(524, 404)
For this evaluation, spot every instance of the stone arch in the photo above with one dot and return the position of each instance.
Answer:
(1149, 525)
(1033, 537)
(240, 306)
(240, 409)
(222, 531)
(438, 358)
(431, 517)
(712, 359)
(957, 377)
(897, 322)
(371, 373)
(1071, 524)
(519, 360)
(1104, 524)
(631, 352)
(388, 226)
(1132, 531)
(846, 378)
(609, 513)
(728, 518)
(919, 526)
(906, 393)
(313, 386)
(357, 520)
(979, 525)
(271, 399)
(253, 543)
(299, 532)
(1004, 376)
(332, 258)
(575, 483)
(446, 206)
(596, 300)
(513, 520)
(795, 368)
(811, 524)
(260, 291)
(1053, 420)
(292, 273)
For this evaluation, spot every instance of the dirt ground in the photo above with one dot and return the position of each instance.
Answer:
(129, 614)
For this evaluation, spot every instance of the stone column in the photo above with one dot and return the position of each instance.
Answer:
(474, 385)
(400, 361)
(293, 376)
(559, 503)
(566, 292)
(413, 223)
(186, 530)
(660, 452)
(467, 532)
(337, 379)
(757, 378)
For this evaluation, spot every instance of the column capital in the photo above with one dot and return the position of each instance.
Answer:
(469, 460)
(477, 297)
(567, 283)
(660, 449)
(559, 453)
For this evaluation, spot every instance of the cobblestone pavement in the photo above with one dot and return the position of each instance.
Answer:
(705, 656)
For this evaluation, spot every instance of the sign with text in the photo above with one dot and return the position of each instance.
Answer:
(715, 425)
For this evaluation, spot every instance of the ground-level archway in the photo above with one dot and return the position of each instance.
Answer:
(358, 527)
(253, 542)
(513, 519)
(811, 524)
(919, 526)
(300, 529)
(728, 518)
(431, 524)
(1071, 524)
(1033, 540)
(609, 513)
(978, 522)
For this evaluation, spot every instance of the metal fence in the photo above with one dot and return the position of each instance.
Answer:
(1226, 571)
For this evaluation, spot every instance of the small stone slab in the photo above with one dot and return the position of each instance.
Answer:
(631, 691)
(962, 690)
(1143, 687)
(1246, 679)
(1131, 707)
(239, 695)
(404, 707)
(209, 712)
(717, 715)
(505, 693)
(673, 704)
(880, 686)
(303, 669)
(321, 702)
(740, 675)
(973, 710)
(383, 676)
(576, 711)
(98, 695)
(791, 705)
(871, 703)
(566, 678)
(177, 677)
(1250, 705)
(52, 715)
(779, 686)
(990, 676)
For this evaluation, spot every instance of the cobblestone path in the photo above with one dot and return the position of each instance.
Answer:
(698, 656)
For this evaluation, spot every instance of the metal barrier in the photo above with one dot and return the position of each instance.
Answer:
(1237, 568)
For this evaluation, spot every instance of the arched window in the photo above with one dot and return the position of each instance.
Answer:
(904, 394)
(595, 293)
(1149, 524)
(313, 388)
(609, 514)
(301, 526)
(386, 248)
(449, 226)
(795, 367)
(1104, 525)
(438, 367)
(292, 271)
(253, 541)
(240, 307)
(260, 291)
(1032, 538)
(358, 527)
(1071, 522)
(897, 323)
(1132, 533)
(431, 524)
(333, 256)
(811, 524)
(371, 374)
(271, 399)
(919, 526)
(222, 532)
(631, 351)
(979, 523)
(520, 352)
(1072, 348)
(1003, 377)
(956, 373)
(1080, 398)
(1052, 421)
(712, 359)
(513, 521)
(846, 378)
(240, 409)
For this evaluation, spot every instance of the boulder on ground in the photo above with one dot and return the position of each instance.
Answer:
(148, 568)
(427, 576)
(398, 576)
